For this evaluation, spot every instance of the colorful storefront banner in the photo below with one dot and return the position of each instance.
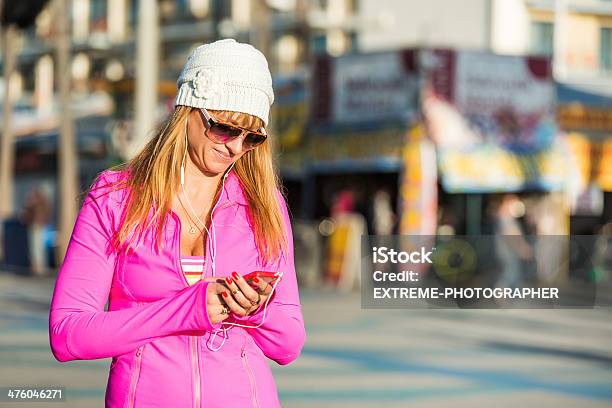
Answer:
(491, 168)
(492, 118)
(477, 97)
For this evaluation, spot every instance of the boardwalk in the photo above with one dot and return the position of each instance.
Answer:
(367, 358)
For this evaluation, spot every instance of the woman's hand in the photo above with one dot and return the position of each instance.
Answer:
(243, 299)
(215, 307)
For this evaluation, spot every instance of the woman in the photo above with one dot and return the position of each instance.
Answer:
(200, 199)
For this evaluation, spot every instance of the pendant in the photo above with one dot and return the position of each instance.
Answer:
(192, 230)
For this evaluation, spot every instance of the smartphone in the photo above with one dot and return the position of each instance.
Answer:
(269, 277)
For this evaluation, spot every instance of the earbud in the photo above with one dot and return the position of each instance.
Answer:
(228, 170)
(183, 175)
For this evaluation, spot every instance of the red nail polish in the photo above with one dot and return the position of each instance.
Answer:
(255, 279)
(235, 275)
(225, 294)
(229, 280)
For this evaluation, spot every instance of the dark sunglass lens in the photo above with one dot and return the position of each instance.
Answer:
(225, 131)
(254, 139)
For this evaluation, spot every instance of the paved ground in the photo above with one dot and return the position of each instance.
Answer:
(367, 358)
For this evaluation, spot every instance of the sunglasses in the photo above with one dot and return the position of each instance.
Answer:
(220, 132)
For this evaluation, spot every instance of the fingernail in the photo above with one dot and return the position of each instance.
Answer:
(235, 275)
(229, 280)
(255, 279)
(225, 294)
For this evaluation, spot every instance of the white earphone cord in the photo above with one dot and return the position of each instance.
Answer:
(213, 236)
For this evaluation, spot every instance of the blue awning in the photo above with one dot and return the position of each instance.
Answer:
(584, 95)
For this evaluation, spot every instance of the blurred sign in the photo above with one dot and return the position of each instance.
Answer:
(584, 108)
(493, 120)
(356, 146)
(290, 110)
(480, 97)
(289, 119)
(491, 168)
(585, 118)
(365, 87)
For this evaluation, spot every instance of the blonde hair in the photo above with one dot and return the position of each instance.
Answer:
(154, 177)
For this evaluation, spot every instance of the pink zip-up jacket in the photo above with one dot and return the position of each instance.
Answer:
(156, 328)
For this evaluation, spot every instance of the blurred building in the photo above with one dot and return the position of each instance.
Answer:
(104, 63)
(104, 69)
(417, 120)
(576, 34)
(364, 52)
(104, 38)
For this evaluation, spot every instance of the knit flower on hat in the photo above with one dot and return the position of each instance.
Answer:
(205, 84)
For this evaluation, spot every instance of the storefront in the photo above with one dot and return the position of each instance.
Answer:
(362, 107)
(586, 117)
(452, 137)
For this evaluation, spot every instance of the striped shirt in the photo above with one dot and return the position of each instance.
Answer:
(193, 266)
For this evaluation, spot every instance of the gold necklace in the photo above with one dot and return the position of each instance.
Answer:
(192, 229)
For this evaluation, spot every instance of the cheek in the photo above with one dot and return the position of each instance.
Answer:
(205, 143)
(202, 143)
(197, 142)
(206, 149)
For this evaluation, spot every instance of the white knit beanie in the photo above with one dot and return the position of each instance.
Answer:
(227, 75)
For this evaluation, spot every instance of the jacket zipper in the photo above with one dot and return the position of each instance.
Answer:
(193, 344)
(193, 340)
(135, 376)
(245, 362)
(196, 341)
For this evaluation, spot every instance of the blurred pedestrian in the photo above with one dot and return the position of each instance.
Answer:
(344, 245)
(36, 215)
(511, 247)
(383, 215)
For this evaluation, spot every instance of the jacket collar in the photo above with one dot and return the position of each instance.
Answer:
(232, 190)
